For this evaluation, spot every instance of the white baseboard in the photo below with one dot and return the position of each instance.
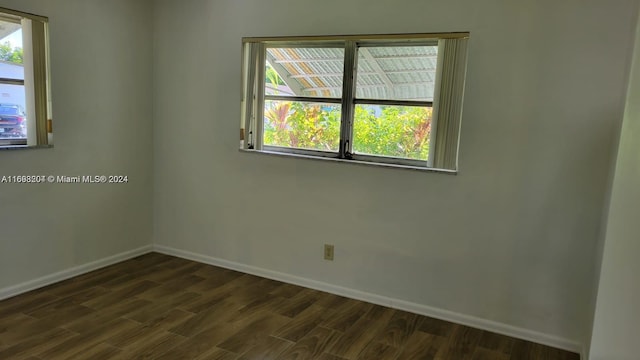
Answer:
(75, 271)
(441, 314)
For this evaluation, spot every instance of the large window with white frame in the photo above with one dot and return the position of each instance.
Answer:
(25, 96)
(393, 99)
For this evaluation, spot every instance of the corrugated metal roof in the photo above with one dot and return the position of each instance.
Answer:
(384, 72)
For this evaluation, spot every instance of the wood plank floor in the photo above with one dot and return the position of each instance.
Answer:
(161, 307)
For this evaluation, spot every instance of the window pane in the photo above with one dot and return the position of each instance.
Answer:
(309, 72)
(394, 131)
(397, 72)
(302, 125)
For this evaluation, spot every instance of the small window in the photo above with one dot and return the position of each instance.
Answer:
(389, 99)
(25, 107)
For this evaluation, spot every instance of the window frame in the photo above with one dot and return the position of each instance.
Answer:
(312, 99)
(36, 82)
(253, 97)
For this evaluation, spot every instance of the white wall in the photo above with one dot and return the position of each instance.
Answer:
(101, 75)
(617, 316)
(512, 238)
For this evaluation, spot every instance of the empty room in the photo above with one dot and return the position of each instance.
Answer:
(331, 180)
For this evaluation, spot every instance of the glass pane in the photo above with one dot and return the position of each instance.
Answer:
(310, 72)
(394, 131)
(302, 125)
(397, 72)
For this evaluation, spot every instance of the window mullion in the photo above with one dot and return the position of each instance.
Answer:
(348, 103)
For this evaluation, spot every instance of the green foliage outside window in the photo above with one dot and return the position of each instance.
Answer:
(302, 125)
(398, 131)
(395, 131)
(9, 54)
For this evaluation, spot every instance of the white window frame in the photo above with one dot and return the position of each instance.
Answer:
(447, 109)
(36, 82)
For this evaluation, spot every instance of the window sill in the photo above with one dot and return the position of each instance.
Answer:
(357, 162)
(24, 147)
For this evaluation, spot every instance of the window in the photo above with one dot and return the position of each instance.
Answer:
(388, 99)
(25, 107)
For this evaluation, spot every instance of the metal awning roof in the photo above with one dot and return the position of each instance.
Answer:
(384, 72)
(8, 25)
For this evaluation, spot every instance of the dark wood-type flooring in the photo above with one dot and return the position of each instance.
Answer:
(161, 307)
